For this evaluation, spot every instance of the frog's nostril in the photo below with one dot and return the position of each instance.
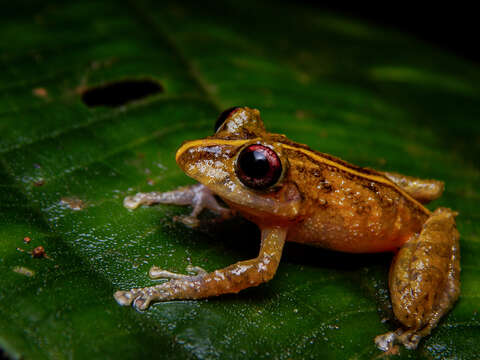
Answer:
(120, 92)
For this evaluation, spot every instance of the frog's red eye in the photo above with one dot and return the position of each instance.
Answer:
(258, 167)
(223, 116)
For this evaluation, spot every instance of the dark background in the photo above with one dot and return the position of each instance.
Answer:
(453, 26)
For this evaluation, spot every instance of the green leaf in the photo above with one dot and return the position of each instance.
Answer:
(373, 97)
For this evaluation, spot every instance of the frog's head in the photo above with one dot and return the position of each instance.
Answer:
(245, 166)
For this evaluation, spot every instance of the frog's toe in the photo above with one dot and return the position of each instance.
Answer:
(410, 340)
(144, 297)
(123, 298)
(386, 341)
(197, 270)
(140, 298)
(142, 302)
(189, 221)
(131, 202)
(158, 273)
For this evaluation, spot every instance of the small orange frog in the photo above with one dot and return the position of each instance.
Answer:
(296, 194)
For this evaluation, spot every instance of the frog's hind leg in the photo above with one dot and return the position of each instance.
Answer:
(198, 196)
(422, 190)
(424, 280)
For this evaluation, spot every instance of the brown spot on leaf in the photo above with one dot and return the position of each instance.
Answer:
(73, 203)
(39, 252)
(40, 92)
(300, 114)
(39, 182)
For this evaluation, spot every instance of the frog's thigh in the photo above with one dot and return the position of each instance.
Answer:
(231, 279)
(422, 190)
(424, 279)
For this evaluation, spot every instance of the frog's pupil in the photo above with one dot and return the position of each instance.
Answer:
(223, 116)
(258, 167)
(254, 164)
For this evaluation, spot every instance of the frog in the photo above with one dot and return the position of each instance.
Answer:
(294, 193)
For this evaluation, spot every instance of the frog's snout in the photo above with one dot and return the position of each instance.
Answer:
(179, 156)
(218, 150)
(208, 160)
(188, 156)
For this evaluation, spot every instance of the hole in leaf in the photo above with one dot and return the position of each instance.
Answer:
(120, 92)
(3, 355)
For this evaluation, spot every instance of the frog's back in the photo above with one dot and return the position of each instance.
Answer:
(346, 207)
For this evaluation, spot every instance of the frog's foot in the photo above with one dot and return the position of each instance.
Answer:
(231, 279)
(424, 280)
(198, 196)
(141, 298)
(408, 338)
(187, 220)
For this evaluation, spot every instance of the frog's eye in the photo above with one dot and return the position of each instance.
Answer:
(258, 167)
(223, 116)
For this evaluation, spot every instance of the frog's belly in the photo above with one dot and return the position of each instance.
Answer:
(341, 231)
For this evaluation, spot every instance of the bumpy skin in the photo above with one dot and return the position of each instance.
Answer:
(323, 201)
(346, 211)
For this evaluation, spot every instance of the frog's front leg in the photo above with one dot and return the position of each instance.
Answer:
(424, 280)
(231, 279)
(198, 196)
